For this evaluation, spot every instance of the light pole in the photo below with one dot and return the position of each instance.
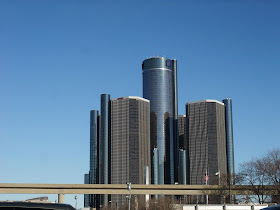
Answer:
(128, 187)
(219, 176)
(76, 198)
(219, 182)
(110, 204)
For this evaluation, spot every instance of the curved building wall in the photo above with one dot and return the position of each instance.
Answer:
(94, 143)
(105, 144)
(159, 88)
(229, 134)
(94, 135)
(182, 178)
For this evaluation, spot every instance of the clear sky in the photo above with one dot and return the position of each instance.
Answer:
(57, 57)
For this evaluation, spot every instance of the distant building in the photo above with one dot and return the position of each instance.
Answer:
(160, 87)
(207, 141)
(130, 142)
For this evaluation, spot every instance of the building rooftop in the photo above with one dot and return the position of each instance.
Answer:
(132, 97)
(206, 100)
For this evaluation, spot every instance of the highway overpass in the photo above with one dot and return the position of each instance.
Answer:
(16, 188)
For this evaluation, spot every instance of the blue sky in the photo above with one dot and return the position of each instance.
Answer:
(57, 57)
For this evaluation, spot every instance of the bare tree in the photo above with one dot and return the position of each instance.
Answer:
(251, 174)
(223, 193)
(261, 172)
(271, 167)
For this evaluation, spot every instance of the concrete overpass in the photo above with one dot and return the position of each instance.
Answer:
(137, 189)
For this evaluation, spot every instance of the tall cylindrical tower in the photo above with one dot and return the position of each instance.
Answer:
(229, 134)
(105, 144)
(182, 178)
(159, 86)
(94, 143)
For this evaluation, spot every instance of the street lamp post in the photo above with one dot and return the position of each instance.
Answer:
(219, 176)
(76, 198)
(128, 187)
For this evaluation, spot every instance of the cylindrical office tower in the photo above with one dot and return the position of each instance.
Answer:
(182, 178)
(105, 144)
(94, 143)
(86, 196)
(155, 165)
(155, 168)
(160, 87)
(94, 137)
(229, 136)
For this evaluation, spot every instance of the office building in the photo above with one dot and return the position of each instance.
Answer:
(229, 137)
(206, 136)
(130, 141)
(182, 132)
(100, 151)
(183, 145)
(94, 154)
(182, 178)
(105, 145)
(93, 176)
(160, 88)
(86, 196)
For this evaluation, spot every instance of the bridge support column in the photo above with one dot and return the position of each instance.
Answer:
(60, 198)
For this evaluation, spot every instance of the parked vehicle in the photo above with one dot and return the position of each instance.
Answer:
(272, 208)
(36, 206)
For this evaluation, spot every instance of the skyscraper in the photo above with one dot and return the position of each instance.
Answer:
(86, 196)
(105, 145)
(94, 144)
(183, 145)
(182, 132)
(229, 136)
(160, 87)
(130, 133)
(207, 140)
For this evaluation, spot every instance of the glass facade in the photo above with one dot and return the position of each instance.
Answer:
(229, 135)
(130, 132)
(94, 141)
(183, 145)
(94, 135)
(207, 140)
(155, 165)
(105, 144)
(86, 196)
(159, 86)
(182, 167)
(207, 143)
